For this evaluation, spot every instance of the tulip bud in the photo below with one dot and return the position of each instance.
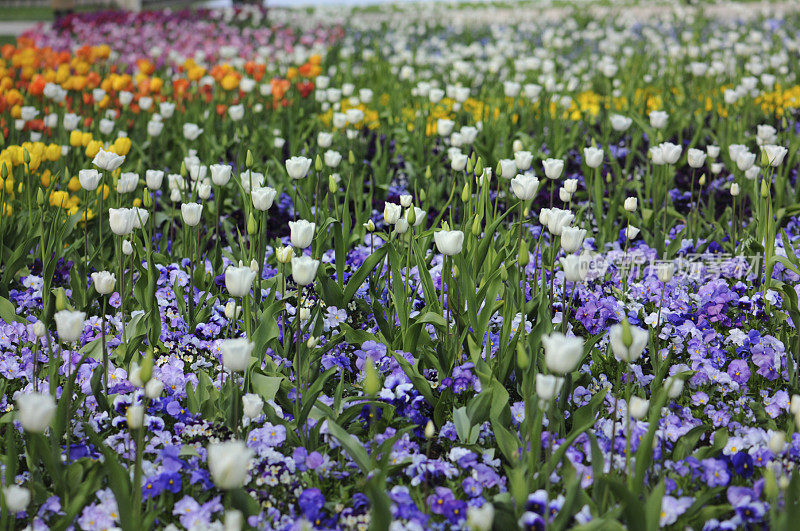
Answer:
(455, 271)
(498, 170)
(428, 173)
(523, 360)
(252, 226)
(411, 216)
(146, 369)
(127, 248)
(39, 197)
(770, 484)
(135, 417)
(332, 184)
(254, 265)
(230, 309)
(764, 188)
(39, 330)
(4, 170)
(248, 160)
(422, 195)
(524, 256)
(147, 199)
(702, 180)
(351, 157)
(476, 226)
(627, 335)
(470, 166)
(465, 193)
(479, 167)
(62, 303)
(735, 189)
(369, 225)
(183, 169)
(372, 380)
(430, 430)
(312, 342)
(26, 156)
(318, 166)
(284, 254)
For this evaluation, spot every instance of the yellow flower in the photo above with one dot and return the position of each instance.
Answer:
(121, 146)
(45, 178)
(59, 198)
(75, 138)
(53, 152)
(74, 184)
(93, 148)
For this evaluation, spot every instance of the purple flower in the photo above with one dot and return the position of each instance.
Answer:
(311, 502)
(739, 371)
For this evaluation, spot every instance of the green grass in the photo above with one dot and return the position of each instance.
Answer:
(7, 39)
(27, 13)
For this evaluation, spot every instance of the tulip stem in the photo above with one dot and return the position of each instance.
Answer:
(103, 343)
(122, 295)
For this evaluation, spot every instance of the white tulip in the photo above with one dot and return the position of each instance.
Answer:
(553, 168)
(35, 411)
(576, 267)
(562, 353)
(523, 160)
(302, 233)
(638, 407)
(593, 156)
(658, 119)
(69, 325)
(238, 280)
(548, 386)
(774, 154)
(508, 168)
(620, 123)
(228, 463)
(695, 157)
(332, 158)
(304, 270)
(16, 498)
(191, 131)
(104, 282)
(637, 342)
(154, 179)
(236, 353)
(106, 160)
(89, 179)
(263, 197)
(449, 242)
(297, 167)
(191, 213)
(631, 204)
(253, 405)
(220, 174)
(391, 213)
(524, 186)
(572, 239)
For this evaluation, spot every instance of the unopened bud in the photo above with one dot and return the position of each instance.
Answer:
(62, 302)
(523, 360)
(252, 226)
(248, 159)
(372, 380)
(430, 430)
(318, 163)
(524, 256)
